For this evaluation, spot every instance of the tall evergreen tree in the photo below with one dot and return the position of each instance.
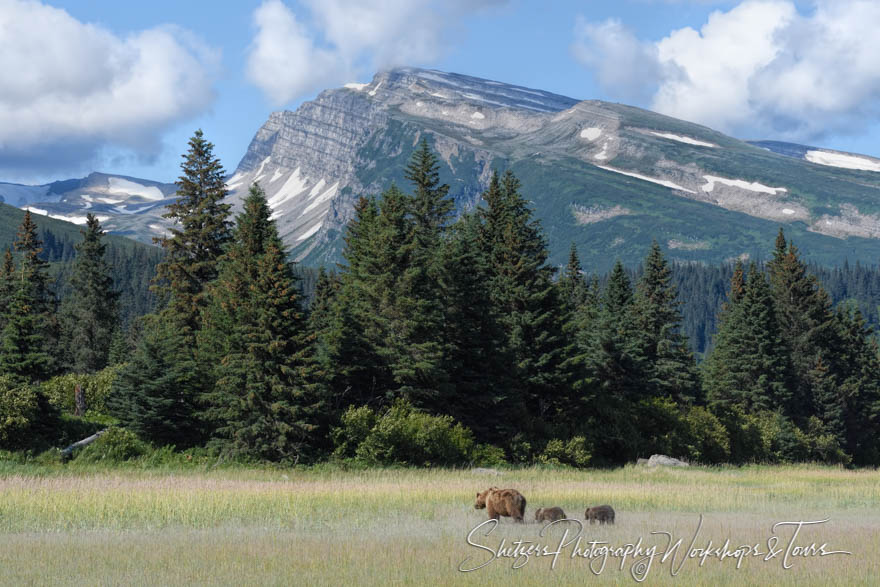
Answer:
(477, 360)
(200, 232)
(418, 356)
(671, 370)
(573, 287)
(807, 321)
(266, 402)
(615, 372)
(350, 346)
(526, 297)
(90, 311)
(29, 339)
(7, 286)
(850, 405)
(749, 366)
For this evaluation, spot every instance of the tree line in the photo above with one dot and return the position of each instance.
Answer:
(444, 340)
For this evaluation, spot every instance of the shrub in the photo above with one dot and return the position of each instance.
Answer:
(356, 426)
(575, 452)
(27, 419)
(402, 436)
(823, 446)
(486, 455)
(709, 440)
(96, 386)
(114, 446)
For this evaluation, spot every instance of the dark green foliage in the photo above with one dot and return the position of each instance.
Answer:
(527, 300)
(116, 445)
(30, 334)
(749, 366)
(96, 386)
(89, 313)
(403, 436)
(152, 394)
(27, 420)
(671, 371)
(849, 407)
(264, 401)
(350, 341)
(201, 231)
(477, 360)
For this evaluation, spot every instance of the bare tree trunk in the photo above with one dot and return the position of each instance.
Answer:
(84, 442)
(79, 401)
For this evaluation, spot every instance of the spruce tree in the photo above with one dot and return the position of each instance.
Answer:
(151, 395)
(527, 299)
(29, 339)
(850, 406)
(90, 311)
(572, 285)
(418, 305)
(477, 361)
(807, 321)
(350, 346)
(7, 286)
(749, 366)
(615, 372)
(266, 402)
(200, 232)
(671, 370)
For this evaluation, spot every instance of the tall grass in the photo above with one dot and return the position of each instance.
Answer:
(326, 526)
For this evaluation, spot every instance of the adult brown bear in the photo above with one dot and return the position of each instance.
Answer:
(549, 514)
(502, 502)
(602, 513)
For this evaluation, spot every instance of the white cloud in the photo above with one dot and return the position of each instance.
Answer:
(760, 69)
(623, 65)
(69, 89)
(336, 41)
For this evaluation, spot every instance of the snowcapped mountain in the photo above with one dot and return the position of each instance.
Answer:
(124, 205)
(608, 177)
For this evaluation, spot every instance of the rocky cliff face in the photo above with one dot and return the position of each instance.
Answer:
(608, 177)
(628, 174)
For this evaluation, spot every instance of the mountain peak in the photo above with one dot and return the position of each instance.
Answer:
(388, 85)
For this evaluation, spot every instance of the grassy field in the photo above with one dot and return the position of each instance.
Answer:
(410, 527)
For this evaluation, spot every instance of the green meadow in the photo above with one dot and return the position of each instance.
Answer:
(74, 526)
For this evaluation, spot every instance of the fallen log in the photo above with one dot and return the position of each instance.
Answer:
(84, 442)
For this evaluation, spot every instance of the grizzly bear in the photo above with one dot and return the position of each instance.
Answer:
(549, 514)
(602, 513)
(502, 502)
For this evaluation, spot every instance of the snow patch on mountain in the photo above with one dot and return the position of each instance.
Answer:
(753, 186)
(294, 186)
(683, 139)
(120, 186)
(662, 182)
(310, 232)
(326, 196)
(845, 161)
(591, 134)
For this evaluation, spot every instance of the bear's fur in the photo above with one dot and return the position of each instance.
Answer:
(502, 502)
(549, 514)
(602, 513)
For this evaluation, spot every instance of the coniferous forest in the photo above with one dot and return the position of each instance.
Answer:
(439, 340)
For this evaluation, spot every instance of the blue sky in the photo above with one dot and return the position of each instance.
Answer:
(120, 86)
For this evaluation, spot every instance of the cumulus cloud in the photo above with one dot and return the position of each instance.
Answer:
(623, 65)
(333, 41)
(760, 69)
(70, 89)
